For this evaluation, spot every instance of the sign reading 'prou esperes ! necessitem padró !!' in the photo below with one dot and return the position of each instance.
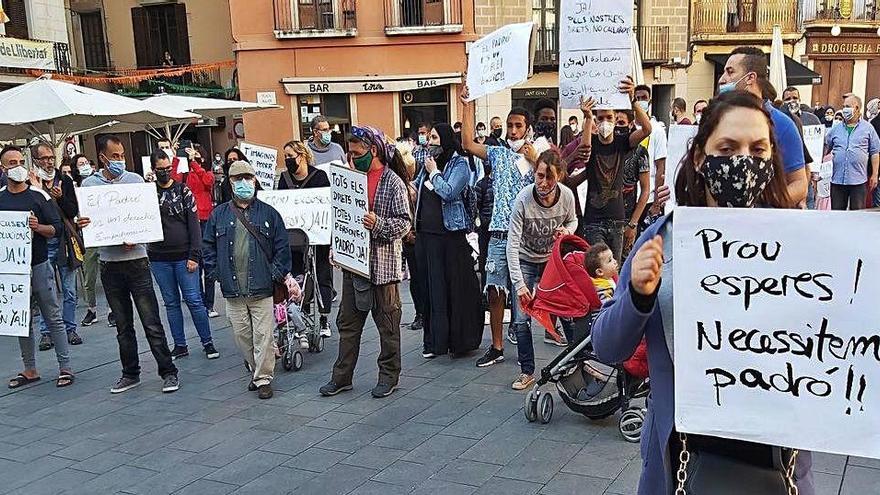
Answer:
(773, 344)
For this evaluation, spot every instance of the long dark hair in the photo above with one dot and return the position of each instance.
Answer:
(226, 163)
(449, 144)
(690, 185)
(74, 170)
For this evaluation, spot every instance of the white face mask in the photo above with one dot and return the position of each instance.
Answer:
(516, 145)
(18, 174)
(85, 170)
(698, 117)
(645, 105)
(606, 129)
(43, 175)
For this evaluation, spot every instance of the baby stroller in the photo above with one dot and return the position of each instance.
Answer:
(298, 322)
(586, 385)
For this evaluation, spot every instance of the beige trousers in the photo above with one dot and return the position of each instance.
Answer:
(253, 323)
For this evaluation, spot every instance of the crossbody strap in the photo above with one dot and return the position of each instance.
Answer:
(239, 214)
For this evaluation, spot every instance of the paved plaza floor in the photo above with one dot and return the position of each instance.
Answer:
(451, 428)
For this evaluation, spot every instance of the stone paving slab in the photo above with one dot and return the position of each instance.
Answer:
(451, 428)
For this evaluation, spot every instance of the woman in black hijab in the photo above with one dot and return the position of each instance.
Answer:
(453, 316)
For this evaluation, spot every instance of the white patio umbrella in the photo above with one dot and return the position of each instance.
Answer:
(210, 108)
(637, 73)
(57, 109)
(777, 62)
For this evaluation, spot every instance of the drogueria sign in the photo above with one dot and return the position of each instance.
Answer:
(26, 54)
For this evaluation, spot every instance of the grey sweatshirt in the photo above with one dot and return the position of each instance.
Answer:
(332, 152)
(117, 253)
(533, 226)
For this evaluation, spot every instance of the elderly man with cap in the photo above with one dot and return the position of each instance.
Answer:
(388, 221)
(245, 248)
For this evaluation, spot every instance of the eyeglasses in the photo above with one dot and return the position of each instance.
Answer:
(46, 159)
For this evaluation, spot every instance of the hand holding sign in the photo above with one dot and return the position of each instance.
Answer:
(370, 220)
(647, 267)
(628, 87)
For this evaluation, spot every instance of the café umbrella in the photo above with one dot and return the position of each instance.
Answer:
(52, 111)
(777, 62)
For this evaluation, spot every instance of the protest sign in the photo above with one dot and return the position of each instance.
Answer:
(595, 52)
(305, 209)
(814, 140)
(499, 60)
(15, 273)
(263, 160)
(119, 214)
(351, 240)
(677, 146)
(15, 242)
(773, 345)
(15, 304)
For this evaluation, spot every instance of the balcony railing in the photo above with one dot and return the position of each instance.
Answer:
(653, 44)
(841, 11)
(59, 49)
(422, 16)
(315, 18)
(547, 48)
(718, 17)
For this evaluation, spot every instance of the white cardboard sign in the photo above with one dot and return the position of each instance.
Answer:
(15, 273)
(499, 60)
(351, 240)
(119, 214)
(595, 52)
(814, 140)
(677, 146)
(305, 209)
(264, 161)
(774, 345)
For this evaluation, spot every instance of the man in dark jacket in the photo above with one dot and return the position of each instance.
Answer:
(245, 247)
(61, 190)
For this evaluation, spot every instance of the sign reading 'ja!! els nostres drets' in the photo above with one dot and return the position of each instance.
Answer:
(772, 344)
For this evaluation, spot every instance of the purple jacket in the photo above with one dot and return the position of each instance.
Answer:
(616, 332)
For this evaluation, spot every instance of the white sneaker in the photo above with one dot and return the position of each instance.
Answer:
(213, 314)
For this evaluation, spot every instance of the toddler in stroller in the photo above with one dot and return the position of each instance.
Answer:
(597, 390)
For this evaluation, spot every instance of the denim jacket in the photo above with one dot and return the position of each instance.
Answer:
(449, 185)
(217, 249)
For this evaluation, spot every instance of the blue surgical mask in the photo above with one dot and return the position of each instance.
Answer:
(325, 138)
(847, 113)
(116, 168)
(423, 140)
(726, 88)
(244, 189)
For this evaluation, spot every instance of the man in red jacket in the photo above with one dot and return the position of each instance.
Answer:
(200, 180)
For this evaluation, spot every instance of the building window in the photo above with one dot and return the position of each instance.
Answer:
(314, 18)
(334, 107)
(17, 27)
(159, 29)
(94, 46)
(422, 16)
(544, 14)
(423, 105)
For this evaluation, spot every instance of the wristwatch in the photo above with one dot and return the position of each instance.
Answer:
(632, 225)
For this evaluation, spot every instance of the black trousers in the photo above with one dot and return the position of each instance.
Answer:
(851, 196)
(323, 269)
(124, 282)
(416, 284)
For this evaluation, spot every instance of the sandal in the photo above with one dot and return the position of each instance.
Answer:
(65, 379)
(22, 380)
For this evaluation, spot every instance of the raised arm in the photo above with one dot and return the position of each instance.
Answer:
(467, 127)
(642, 119)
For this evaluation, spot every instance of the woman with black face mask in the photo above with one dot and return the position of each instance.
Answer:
(733, 162)
(453, 316)
(298, 174)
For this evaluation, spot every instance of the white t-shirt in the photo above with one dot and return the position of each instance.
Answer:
(656, 146)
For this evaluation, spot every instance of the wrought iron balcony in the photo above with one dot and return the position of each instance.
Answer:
(422, 16)
(315, 18)
(715, 18)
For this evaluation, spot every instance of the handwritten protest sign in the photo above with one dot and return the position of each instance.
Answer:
(499, 60)
(305, 209)
(119, 214)
(595, 52)
(15, 242)
(773, 345)
(814, 140)
(351, 240)
(264, 160)
(677, 146)
(15, 273)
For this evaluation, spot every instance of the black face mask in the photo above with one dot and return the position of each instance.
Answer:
(163, 175)
(621, 130)
(736, 181)
(496, 133)
(291, 164)
(546, 129)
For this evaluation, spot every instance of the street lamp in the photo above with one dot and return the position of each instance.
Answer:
(835, 30)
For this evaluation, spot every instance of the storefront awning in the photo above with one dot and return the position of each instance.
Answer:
(366, 84)
(798, 74)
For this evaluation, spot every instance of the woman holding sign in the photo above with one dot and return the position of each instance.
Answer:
(734, 161)
(452, 312)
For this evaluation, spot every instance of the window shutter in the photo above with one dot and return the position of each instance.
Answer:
(141, 27)
(182, 56)
(17, 27)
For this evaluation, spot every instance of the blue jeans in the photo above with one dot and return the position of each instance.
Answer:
(522, 322)
(174, 279)
(875, 200)
(208, 288)
(68, 290)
